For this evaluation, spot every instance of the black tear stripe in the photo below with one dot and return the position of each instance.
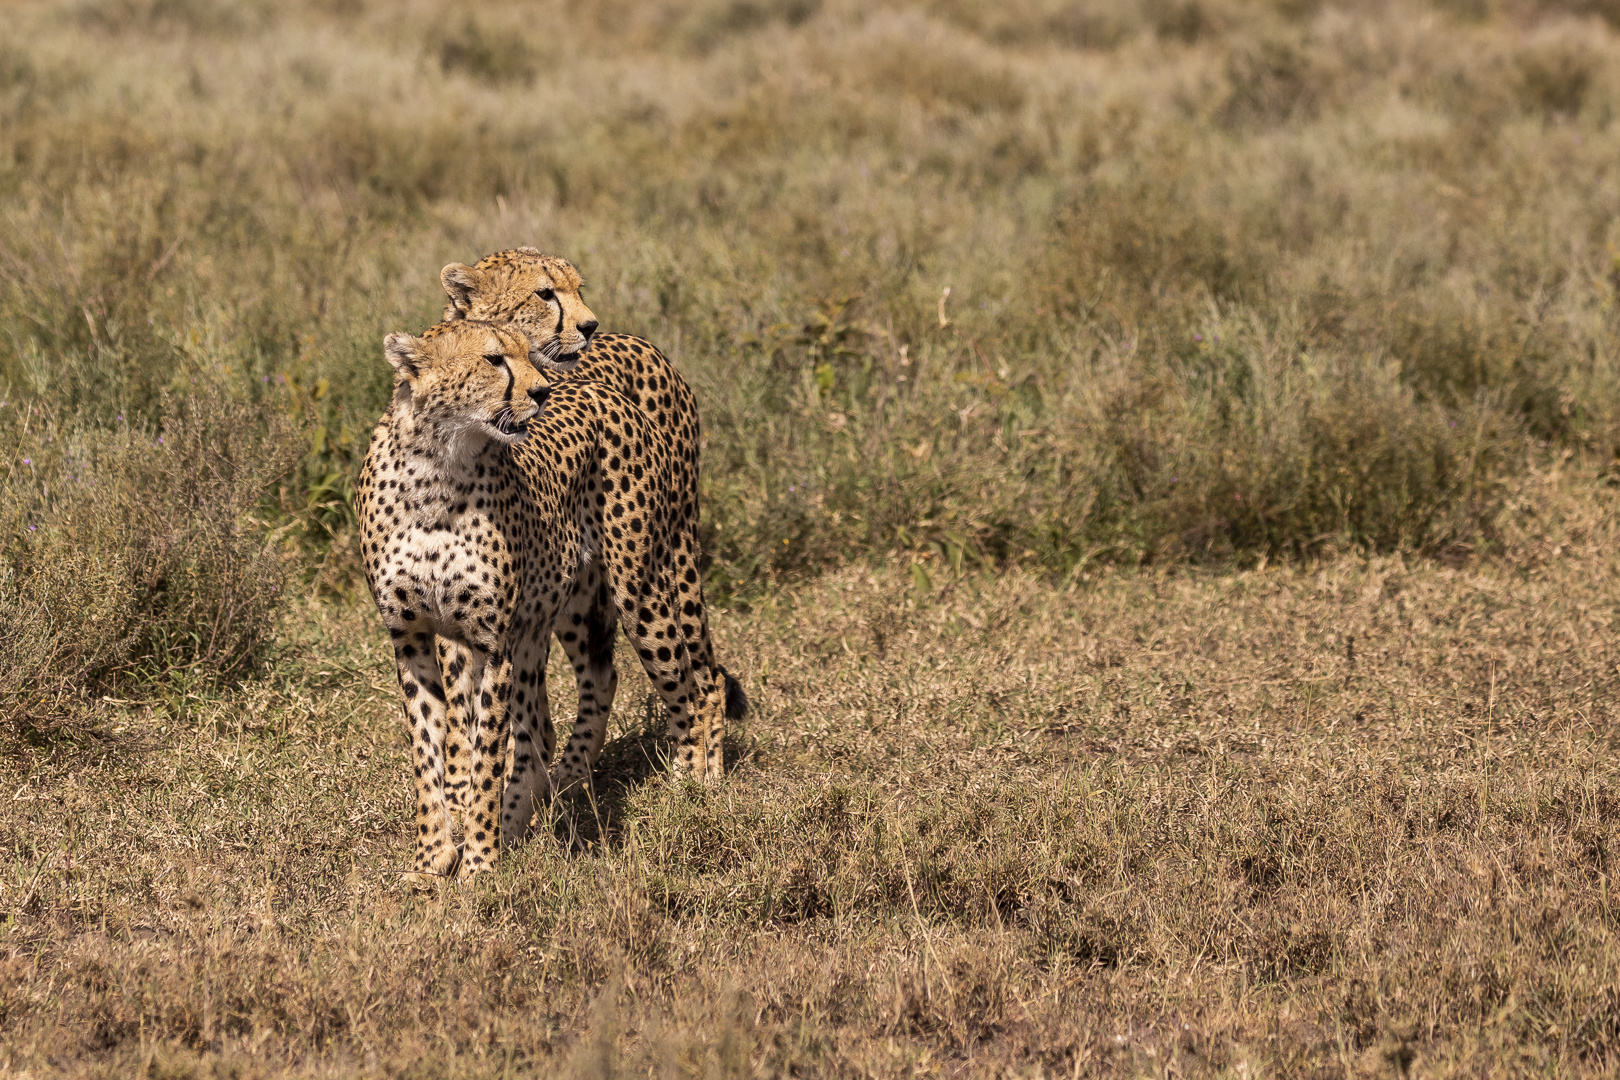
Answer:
(511, 379)
(558, 331)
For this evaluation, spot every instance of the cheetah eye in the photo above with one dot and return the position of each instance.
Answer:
(495, 358)
(547, 295)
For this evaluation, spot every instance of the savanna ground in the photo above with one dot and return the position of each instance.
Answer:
(1186, 646)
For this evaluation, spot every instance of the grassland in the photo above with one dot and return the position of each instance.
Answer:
(1160, 478)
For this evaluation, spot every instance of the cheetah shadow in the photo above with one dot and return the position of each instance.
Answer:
(639, 756)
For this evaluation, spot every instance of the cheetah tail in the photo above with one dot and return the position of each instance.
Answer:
(736, 700)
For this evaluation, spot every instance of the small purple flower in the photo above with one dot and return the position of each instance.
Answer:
(160, 440)
(1175, 479)
(28, 461)
(792, 488)
(1198, 337)
(31, 528)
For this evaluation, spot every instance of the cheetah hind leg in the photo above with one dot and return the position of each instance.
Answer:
(699, 749)
(694, 703)
(729, 703)
(587, 627)
(711, 728)
(732, 703)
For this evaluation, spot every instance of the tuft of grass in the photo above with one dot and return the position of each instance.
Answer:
(1272, 81)
(207, 17)
(1556, 73)
(937, 72)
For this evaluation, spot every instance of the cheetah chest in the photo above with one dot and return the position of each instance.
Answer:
(455, 565)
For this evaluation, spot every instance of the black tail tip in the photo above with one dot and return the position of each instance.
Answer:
(736, 700)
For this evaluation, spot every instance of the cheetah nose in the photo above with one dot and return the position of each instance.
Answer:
(588, 327)
(538, 395)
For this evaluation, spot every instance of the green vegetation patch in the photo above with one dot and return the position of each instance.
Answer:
(1036, 285)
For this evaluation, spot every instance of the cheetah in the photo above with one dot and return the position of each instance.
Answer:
(484, 493)
(541, 295)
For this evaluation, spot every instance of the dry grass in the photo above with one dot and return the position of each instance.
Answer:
(1358, 818)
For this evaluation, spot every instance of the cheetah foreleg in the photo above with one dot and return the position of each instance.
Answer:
(419, 682)
(493, 689)
(457, 668)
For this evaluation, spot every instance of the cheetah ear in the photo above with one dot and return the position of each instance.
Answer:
(459, 281)
(402, 354)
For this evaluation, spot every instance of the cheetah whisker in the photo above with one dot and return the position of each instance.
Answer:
(552, 355)
(511, 429)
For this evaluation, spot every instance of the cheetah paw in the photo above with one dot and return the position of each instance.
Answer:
(429, 873)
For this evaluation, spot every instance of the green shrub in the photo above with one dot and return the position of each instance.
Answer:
(1556, 75)
(1149, 243)
(1273, 450)
(494, 54)
(129, 551)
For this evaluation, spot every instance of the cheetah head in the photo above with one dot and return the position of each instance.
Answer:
(468, 382)
(538, 294)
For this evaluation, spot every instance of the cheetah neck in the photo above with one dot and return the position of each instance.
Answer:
(450, 445)
(438, 460)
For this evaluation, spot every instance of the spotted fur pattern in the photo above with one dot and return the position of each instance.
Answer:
(478, 513)
(541, 295)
